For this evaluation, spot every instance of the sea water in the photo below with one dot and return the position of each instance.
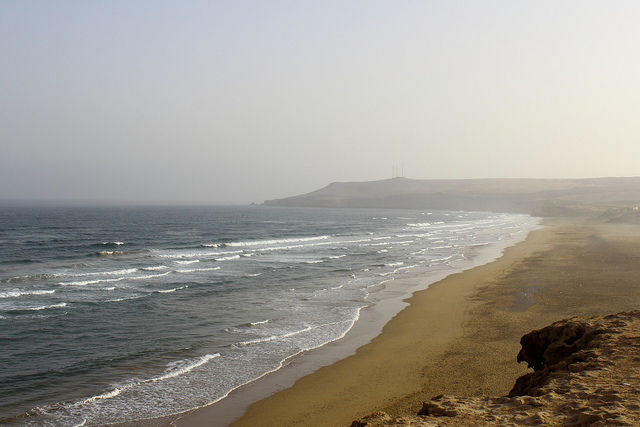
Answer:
(124, 313)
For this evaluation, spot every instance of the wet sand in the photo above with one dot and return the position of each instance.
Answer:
(460, 336)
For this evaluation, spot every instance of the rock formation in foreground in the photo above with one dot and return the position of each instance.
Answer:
(586, 372)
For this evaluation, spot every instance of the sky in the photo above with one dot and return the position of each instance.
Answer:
(242, 101)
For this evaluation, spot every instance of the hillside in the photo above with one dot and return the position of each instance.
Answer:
(545, 197)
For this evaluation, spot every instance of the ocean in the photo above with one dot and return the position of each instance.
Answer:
(116, 314)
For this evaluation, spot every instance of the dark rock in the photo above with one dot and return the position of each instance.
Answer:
(550, 345)
(552, 349)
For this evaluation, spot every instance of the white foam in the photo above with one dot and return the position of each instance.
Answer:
(337, 256)
(376, 244)
(196, 270)
(108, 395)
(18, 293)
(168, 291)
(274, 337)
(148, 276)
(174, 369)
(262, 322)
(109, 253)
(227, 258)
(183, 367)
(44, 307)
(124, 298)
(394, 264)
(254, 275)
(275, 241)
(195, 254)
(316, 261)
(117, 279)
(106, 273)
(154, 268)
(33, 277)
(90, 282)
(354, 241)
(187, 262)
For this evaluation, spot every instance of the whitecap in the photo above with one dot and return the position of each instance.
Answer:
(274, 337)
(125, 298)
(227, 258)
(109, 253)
(210, 245)
(167, 291)
(154, 268)
(194, 254)
(174, 369)
(187, 262)
(42, 276)
(276, 241)
(18, 293)
(106, 273)
(43, 307)
(183, 366)
(196, 270)
(117, 279)
(394, 264)
(90, 282)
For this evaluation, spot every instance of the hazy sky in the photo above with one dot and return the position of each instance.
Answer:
(239, 101)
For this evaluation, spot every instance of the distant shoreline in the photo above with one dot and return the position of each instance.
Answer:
(538, 197)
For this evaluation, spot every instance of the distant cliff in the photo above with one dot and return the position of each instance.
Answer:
(544, 197)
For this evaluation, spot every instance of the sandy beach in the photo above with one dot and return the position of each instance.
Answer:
(460, 337)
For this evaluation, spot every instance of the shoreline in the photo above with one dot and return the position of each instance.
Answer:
(371, 324)
(460, 337)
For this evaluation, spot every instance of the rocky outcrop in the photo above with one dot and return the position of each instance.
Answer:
(550, 350)
(586, 372)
